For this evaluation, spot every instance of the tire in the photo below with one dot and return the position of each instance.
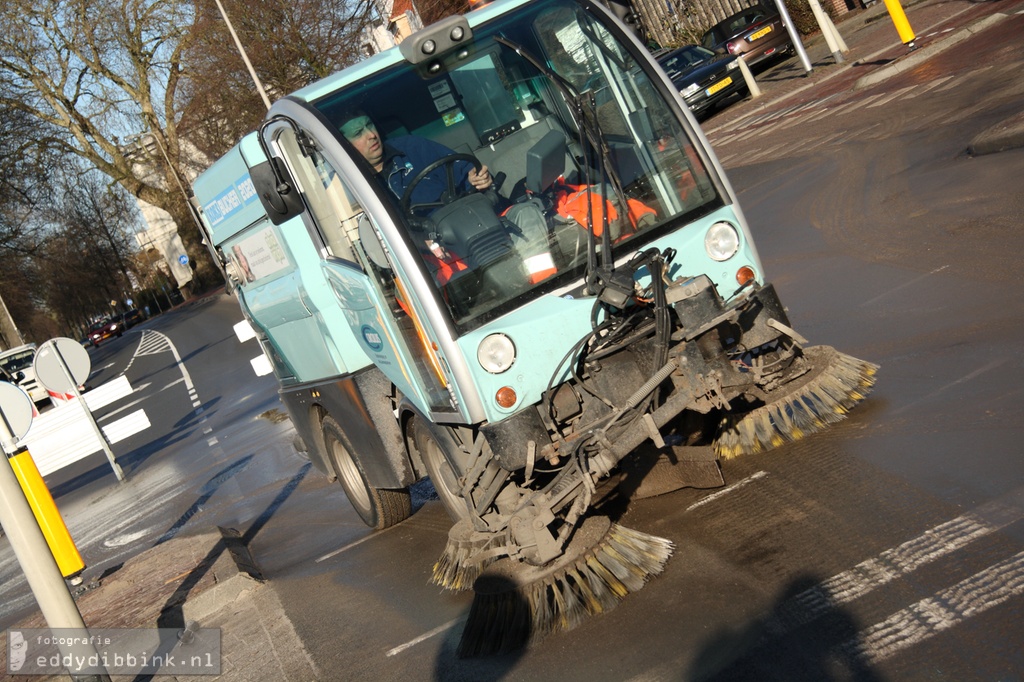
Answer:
(437, 449)
(379, 508)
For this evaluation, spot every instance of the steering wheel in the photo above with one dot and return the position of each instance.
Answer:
(450, 193)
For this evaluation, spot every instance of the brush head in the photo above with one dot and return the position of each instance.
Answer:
(835, 383)
(461, 562)
(515, 602)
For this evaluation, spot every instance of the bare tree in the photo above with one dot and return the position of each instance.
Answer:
(290, 44)
(99, 71)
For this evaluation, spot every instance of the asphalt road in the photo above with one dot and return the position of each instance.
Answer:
(887, 548)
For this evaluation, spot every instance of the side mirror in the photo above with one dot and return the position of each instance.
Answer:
(276, 190)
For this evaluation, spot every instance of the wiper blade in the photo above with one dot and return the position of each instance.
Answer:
(590, 132)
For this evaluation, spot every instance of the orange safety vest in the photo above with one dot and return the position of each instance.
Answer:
(571, 202)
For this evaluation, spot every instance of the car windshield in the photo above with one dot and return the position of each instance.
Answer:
(17, 362)
(737, 23)
(684, 58)
(556, 106)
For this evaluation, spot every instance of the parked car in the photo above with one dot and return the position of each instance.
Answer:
(704, 79)
(16, 364)
(132, 318)
(757, 32)
(102, 331)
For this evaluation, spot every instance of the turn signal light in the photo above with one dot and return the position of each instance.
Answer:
(506, 396)
(744, 275)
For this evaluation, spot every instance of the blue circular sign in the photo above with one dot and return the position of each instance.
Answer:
(183, 259)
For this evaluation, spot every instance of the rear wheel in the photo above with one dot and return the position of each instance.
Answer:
(438, 449)
(379, 508)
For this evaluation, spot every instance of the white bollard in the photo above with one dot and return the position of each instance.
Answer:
(755, 90)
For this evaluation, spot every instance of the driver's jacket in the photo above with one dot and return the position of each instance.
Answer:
(406, 156)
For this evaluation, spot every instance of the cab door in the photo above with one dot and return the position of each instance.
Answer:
(366, 294)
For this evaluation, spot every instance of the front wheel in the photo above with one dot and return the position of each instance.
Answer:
(438, 449)
(379, 508)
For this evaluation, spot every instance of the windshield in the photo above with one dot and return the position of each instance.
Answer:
(583, 151)
(16, 362)
(684, 58)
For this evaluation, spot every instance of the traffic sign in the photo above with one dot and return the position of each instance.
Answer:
(183, 259)
(47, 364)
(17, 409)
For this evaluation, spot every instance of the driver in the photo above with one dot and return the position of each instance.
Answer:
(398, 160)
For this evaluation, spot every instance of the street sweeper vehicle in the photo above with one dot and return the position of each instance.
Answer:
(503, 256)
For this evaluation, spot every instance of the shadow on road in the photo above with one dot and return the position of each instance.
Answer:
(171, 615)
(804, 638)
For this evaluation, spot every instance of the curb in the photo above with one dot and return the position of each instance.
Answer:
(927, 52)
(1003, 136)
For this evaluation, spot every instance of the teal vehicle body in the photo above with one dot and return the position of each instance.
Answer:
(504, 256)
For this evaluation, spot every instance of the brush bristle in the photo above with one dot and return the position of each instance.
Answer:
(459, 565)
(842, 382)
(515, 602)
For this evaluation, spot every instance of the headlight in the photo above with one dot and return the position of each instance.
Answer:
(731, 66)
(496, 353)
(689, 90)
(722, 241)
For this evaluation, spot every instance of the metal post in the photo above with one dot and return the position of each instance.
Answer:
(245, 57)
(88, 413)
(48, 587)
(900, 21)
(843, 47)
(755, 90)
(794, 35)
(823, 24)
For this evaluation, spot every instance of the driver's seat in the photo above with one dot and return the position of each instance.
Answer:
(470, 228)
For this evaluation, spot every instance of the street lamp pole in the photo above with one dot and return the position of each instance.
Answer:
(245, 57)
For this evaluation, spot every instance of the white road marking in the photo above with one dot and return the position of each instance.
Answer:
(350, 545)
(895, 563)
(976, 373)
(904, 286)
(861, 102)
(126, 539)
(942, 611)
(736, 486)
(425, 636)
(130, 405)
(892, 96)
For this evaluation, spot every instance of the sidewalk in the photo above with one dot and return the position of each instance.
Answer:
(876, 54)
(209, 579)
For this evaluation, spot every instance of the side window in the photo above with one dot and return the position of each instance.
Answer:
(333, 206)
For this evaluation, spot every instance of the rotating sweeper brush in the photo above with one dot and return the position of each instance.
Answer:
(834, 384)
(515, 602)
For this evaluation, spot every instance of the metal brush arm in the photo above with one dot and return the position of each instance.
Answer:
(637, 432)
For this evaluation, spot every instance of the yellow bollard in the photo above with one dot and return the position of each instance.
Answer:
(47, 515)
(899, 20)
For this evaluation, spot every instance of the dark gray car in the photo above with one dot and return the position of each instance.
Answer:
(704, 79)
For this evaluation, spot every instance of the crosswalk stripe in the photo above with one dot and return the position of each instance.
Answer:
(942, 611)
(891, 97)
(862, 102)
(894, 563)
